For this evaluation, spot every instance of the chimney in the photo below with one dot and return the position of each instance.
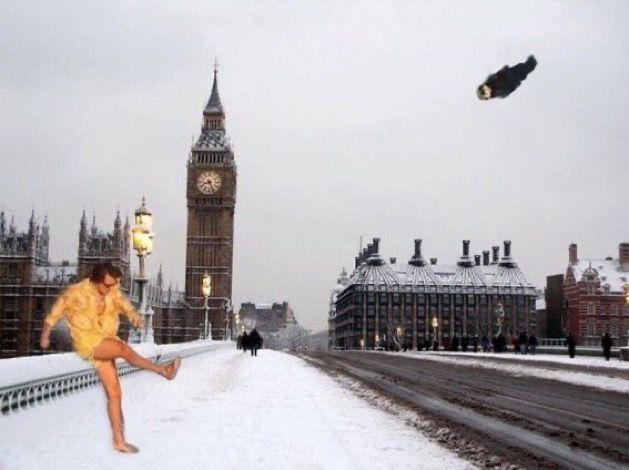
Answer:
(376, 245)
(495, 254)
(477, 260)
(433, 261)
(485, 257)
(623, 256)
(392, 260)
(507, 245)
(369, 250)
(466, 248)
(418, 248)
(572, 254)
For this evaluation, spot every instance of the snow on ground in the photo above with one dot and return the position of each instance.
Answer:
(24, 369)
(528, 368)
(224, 410)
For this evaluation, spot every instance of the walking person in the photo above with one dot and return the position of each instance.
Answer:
(244, 342)
(254, 341)
(91, 308)
(532, 344)
(607, 343)
(571, 342)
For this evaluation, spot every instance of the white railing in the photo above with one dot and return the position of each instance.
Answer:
(29, 394)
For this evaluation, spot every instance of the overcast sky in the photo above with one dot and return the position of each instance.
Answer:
(347, 119)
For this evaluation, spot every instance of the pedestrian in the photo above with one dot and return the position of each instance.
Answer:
(515, 341)
(607, 343)
(571, 342)
(244, 342)
(475, 343)
(91, 309)
(484, 342)
(239, 342)
(465, 342)
(523, 340)
(254, 342)
(532, 344)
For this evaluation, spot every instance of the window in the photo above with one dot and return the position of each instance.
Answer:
(591, 310)
(590, 290)
(590, 329)
(614, 309)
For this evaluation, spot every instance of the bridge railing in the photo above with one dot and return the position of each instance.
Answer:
(29, 394)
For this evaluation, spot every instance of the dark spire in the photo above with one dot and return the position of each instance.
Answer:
(214, 105)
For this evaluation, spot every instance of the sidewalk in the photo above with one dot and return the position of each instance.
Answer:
(225, 409)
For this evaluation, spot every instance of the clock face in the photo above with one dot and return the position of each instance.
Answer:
(209, 182)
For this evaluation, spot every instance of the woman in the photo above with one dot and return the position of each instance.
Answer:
(91, 309)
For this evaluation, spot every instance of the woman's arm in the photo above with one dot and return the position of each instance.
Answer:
(128, 310)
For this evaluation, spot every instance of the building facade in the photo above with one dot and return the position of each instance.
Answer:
(389, 304)
(266, 317)
(595, 291)
(211, 201)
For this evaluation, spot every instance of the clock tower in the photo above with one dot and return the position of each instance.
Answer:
(211, 200)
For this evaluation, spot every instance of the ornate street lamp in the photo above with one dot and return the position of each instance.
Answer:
(435, 325)
(142, 238)
(206, 290)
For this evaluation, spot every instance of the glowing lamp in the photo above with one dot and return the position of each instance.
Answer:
(206, 285)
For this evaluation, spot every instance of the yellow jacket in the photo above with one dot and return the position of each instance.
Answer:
(88, 321)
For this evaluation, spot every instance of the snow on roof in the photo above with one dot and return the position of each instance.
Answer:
(607, 271)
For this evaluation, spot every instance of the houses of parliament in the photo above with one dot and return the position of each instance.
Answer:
(30, 282)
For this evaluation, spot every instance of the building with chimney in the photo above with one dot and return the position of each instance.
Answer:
(595, 290)
(390, 304)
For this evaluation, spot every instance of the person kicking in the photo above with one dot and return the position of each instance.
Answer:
(91, 308)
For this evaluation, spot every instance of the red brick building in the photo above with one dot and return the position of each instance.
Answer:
(595, 291)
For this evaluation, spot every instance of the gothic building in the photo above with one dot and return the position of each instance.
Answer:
(595, 290)
(30, 282)
(386, 305)
(211, 201)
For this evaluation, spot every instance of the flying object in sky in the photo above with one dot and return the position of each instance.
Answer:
(505, 81)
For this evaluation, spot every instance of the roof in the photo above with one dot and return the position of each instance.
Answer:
(442, 275)
(214, 105)
(212, 140)
(607, 271)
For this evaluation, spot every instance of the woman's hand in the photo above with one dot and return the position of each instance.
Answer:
(44, 340)
(139, 323)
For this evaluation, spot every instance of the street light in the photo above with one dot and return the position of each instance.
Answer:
(142, 238)
(206, 290)
(435, 325)
(227, 309)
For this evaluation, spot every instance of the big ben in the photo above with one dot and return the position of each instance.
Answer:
(211, 201)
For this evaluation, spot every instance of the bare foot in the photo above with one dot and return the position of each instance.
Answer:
(126, 448)
(170, 370)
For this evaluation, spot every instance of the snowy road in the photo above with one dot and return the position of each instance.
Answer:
(532, 415)
(224, 410)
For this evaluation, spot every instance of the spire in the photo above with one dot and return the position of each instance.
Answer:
(3, 224)
(32, 229)
(12, 228)
(214, 105)
(117, 221)
(94, 228)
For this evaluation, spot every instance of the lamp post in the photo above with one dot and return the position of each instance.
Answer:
(206, 290)
(435, 325)
(227, 309)
(142, 237)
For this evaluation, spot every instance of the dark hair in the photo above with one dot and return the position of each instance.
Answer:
(99, 271)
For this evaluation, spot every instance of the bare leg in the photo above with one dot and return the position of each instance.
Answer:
(110, 349)
(108, 375)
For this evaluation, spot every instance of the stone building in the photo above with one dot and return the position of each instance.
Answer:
(595, 291)
(266, 317)
(388, 304)
(341, 284)
(211, 202)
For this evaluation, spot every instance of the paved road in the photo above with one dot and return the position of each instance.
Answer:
(537, 423)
